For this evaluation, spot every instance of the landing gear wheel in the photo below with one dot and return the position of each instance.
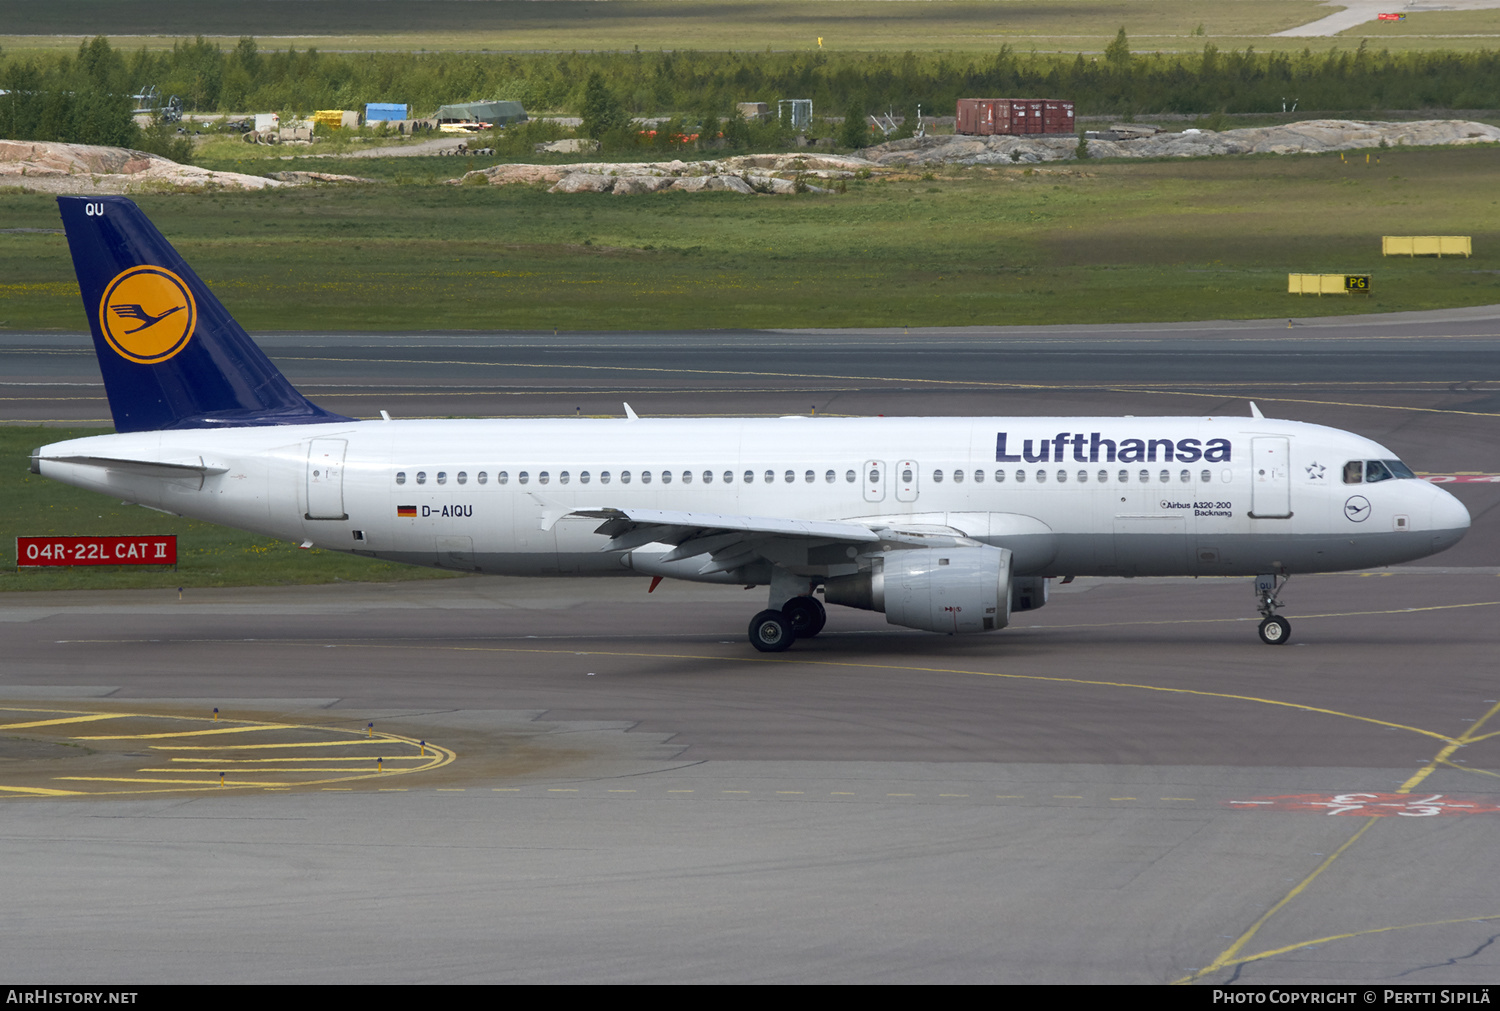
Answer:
(771, 632)
(1275, 631)
(806, 615)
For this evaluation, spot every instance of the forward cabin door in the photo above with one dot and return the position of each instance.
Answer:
(325, 479)
(1270, 477)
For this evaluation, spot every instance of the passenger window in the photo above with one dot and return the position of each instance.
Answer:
(905, 476)
(1376, 471)
(604, 477)
(979, 477)
(523, 477)
(463, 477)
(937, 476)
(1124, 477)
(1062, 477)
(729, 476)
(1185, 476)
(790, 477)
(562, 478)
(708, 477)
(1083, 477)
(849, 476)
(1164, 477)
(645, 477)
(830, 477)
(1206, 476)
(1145, 477)
(1041, 477)
(770, 477)
(583, 477)
(666, 477)
(1354, 472)
(958, 477)
(400, 477)
(421, 477)
(875, 477)
(442, 477)
(1020, 477)
(999, 477)
(624, 477)
(541, 478)
(1104, 477)
(483, 478)
(808, 477)
(502, 476)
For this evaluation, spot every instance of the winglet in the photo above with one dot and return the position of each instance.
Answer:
(630, 415)
(170, 353)
(1255, 411)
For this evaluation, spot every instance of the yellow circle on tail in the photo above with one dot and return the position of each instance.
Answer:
(147, 314)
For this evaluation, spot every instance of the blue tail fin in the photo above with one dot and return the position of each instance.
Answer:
(171, 355)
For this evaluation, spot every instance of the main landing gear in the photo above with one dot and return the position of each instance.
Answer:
(772, 631)
(1274, 629)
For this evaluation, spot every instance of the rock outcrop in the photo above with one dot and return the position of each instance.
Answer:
(47, 167)
(1310, 136)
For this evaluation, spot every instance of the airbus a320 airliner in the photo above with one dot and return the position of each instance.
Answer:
(944, 524)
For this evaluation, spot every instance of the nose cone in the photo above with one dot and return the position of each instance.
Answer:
(1450, 520)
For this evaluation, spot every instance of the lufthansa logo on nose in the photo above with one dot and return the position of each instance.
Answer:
(147, 314)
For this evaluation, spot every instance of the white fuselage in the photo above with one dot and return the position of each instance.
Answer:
(1068, 496)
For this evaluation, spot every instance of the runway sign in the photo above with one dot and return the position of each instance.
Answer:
(152, 549)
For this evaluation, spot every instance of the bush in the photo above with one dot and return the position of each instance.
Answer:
(855, 133)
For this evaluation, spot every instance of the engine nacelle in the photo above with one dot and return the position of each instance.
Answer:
(963, 589)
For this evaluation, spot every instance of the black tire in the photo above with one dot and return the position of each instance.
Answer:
(1275, 631)
(807, 616)
(771, 632)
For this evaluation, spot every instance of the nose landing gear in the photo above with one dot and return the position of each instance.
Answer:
(1274, 629)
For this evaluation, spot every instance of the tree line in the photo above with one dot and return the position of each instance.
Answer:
(82, 96)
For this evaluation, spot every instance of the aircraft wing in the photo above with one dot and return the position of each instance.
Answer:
(728, 541)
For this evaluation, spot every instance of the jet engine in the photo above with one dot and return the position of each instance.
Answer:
(956, 589)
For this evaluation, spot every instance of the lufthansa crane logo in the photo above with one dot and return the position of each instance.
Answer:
(147, 314)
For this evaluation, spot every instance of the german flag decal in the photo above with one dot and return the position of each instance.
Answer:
(402, 510)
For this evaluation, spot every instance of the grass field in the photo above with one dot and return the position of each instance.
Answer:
(1094, 242)
(208, 555)
(864, 25)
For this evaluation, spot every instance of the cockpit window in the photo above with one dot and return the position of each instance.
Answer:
(1371, 471)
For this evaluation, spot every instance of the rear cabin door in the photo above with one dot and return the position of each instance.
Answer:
(325, 479)
(1270, 477)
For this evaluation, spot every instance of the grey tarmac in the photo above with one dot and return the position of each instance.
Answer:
(1126, 786)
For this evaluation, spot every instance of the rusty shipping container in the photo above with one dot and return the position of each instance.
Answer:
(985, 117)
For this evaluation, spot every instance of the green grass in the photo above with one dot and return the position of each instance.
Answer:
(208, 555)
(844, 25)
(1096, 242)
